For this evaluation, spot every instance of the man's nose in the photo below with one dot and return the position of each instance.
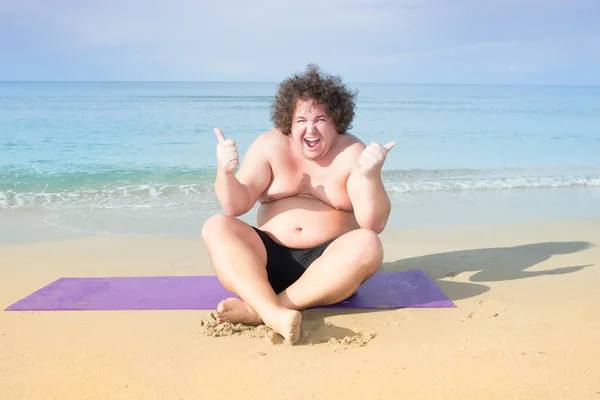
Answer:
(310, 127)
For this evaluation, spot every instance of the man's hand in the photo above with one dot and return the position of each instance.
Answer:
(372, 158)
(227, 154)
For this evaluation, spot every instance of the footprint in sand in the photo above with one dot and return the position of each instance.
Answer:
(336, 336)
(397, 317)
(486, 309)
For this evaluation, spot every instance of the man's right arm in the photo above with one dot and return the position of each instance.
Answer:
(238, 192)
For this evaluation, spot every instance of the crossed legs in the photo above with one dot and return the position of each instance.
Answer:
(239, 258)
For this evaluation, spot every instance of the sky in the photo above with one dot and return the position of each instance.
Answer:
(426, 41)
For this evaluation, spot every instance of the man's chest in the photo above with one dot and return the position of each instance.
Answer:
(325, 184)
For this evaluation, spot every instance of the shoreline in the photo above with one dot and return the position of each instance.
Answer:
(523, 326)
(413, 210)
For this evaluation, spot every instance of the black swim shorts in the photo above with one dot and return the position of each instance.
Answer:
(285, 265)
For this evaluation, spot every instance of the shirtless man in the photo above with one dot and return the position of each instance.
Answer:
(322, 204)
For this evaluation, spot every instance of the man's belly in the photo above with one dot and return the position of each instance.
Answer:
(303, 221)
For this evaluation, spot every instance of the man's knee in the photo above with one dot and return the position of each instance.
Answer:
(216, 225)
(367, 250)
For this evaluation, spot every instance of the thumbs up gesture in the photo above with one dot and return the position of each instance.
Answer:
(372, 158)
(227, 154)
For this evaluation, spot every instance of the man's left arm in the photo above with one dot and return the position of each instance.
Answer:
(365, 188)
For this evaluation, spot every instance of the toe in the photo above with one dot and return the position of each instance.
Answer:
(222, 306)
(222, 309)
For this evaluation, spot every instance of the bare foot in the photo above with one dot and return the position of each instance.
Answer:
(288, 323)
(237, 311)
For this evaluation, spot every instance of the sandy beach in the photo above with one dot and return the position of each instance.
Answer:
(526, 325)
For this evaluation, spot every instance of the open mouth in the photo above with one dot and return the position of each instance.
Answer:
(312, 142)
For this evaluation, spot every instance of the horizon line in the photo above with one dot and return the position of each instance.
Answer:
(277, 82)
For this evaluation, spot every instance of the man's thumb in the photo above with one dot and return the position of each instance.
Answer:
(220, 135)
(389, 146)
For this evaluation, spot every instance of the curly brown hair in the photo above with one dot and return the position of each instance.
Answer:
(323, 89)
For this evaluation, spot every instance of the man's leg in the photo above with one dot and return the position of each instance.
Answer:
(239, 258)
(349, 260)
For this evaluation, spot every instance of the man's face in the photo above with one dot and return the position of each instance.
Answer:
(312, 129)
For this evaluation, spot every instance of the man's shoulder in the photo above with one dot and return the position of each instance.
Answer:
(352, 146)
(266, 141)
(272, 134)
(271, 137)
(353, 140)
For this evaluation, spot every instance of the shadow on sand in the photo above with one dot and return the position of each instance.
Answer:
(489, 265)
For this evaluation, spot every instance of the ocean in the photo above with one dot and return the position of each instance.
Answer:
(122, 158)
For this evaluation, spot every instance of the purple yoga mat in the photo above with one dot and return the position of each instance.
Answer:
(385, 290)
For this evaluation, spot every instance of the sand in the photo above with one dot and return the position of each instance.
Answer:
(526, 325)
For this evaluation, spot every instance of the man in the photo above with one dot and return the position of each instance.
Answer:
(322, 204)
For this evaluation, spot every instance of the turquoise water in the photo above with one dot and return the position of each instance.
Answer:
(139, 158)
